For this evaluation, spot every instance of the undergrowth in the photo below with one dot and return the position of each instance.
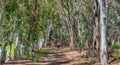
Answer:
(37, 54)
(116, 49)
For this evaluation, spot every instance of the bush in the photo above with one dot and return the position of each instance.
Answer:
(39, 53)
(115, 46)
(28, 55)
(42, 51)
(116, 49)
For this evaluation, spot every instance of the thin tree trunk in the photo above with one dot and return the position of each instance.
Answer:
(103, 20)
(8, 56)
(17, 46)
(40, 42)
(48, 34)
(71, 26)
(71, 37)
(23, 48)
(2, 54)
(2, 47)
(96, 42)
(2, 11)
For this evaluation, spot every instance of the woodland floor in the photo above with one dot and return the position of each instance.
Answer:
(59, 57)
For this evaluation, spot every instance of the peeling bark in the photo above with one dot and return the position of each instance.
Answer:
(96, 42)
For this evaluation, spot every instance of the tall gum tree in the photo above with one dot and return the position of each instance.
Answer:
(2, 47)
(103, 20)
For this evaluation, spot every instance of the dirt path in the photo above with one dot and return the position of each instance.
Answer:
(57, 57)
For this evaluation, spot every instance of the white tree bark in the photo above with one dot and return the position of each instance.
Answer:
(103, 20)
(40, 43)
(0, 52)
(17, 46)
(48, 34)
(30, 48)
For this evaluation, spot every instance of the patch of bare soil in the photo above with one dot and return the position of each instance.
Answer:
(62, 56)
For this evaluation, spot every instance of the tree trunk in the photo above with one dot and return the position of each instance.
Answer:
(8, 56)
(2, 47)
(40, 43)
(17, 46)
(2, 54)
(71, 39)
(48, 34)
(96, 42)
(103, 20)
(2, 11)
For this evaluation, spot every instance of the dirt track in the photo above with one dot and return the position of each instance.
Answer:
(57, 57)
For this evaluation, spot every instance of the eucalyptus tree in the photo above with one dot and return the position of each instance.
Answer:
(67, 12)
(76, 16)
(103, 22)
(18, 22)
(11, 7)
(2, 46)
(113, 21)
(48, 18)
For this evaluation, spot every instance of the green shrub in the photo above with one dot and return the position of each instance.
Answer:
(36, 59)
(42, 51)
(28, 55)
(116, 49)
(117, 54)
(115, 46)
(39, 53)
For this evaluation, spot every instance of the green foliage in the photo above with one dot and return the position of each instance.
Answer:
(116, 49)
(42, 51)
(115, 46)
(37, 54)
(118, 1)
(12, 51)
(117, 54)
(80, 46)
(21, 47)
(21, 16)
(28, 55)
